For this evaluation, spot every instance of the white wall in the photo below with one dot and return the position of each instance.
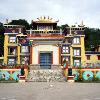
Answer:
(37, 49)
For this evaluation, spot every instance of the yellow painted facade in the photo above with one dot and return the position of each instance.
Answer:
(82, 50)
(93, 59)
(8, 45)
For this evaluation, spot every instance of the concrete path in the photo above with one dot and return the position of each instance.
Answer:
(49, 91)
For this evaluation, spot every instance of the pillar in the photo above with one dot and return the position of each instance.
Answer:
(30, 55)
(6, 49)
(71, 56)
(18, 51)
(59, 55)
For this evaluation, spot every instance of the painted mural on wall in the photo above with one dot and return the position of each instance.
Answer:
(76, 74)
(86, 75)
(9, 75)
(14, 74)
(98, 74)
(23, 41)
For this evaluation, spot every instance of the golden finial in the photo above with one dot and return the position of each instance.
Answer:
(7, 21)
(44, 19)
(82, 25)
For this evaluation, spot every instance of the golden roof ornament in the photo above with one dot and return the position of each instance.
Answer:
(44, 19)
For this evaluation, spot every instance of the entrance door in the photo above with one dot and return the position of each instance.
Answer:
(45, 60)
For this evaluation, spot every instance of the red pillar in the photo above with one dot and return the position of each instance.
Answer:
(59, 55)
(30, 54)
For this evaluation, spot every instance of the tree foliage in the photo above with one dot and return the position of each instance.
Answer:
(1, 39)
(92, 38)
(62, 27)
(20, 22)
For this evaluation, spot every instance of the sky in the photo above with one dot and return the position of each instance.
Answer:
(66, 11)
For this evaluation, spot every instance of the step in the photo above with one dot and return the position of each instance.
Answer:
(46, 75)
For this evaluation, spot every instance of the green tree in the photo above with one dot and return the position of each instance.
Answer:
(92, 38)
(58, 27)
(20, 22)
(1, 39)
(64, 26)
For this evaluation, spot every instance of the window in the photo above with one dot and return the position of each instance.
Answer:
(65, 49)
(12, 51)
(43, 27)
(76, 40)
(65, 59)
(88, 57)
(76, 62)
(76, 52)
(1, 62)
(24, 60)
(24, 49)
(98, 57)
(12, 39)
(11, 61)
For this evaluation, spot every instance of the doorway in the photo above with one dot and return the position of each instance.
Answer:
(45, 60)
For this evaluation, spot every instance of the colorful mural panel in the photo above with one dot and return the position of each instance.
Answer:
(5, 75)
(88, 75)
(98, 75)
(23, 41)
(9, 75)
(15, 75)
(76, 74)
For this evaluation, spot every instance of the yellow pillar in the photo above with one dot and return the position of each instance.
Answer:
(6, 49)
(83, 57)
(71, 56)
(18, 52)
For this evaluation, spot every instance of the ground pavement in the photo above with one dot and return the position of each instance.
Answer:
(49, 91)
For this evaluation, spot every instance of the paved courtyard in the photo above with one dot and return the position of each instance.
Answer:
(49, 91)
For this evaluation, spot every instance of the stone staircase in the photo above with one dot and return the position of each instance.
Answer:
(46, 75)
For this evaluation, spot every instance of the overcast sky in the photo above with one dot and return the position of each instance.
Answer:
(66, 11)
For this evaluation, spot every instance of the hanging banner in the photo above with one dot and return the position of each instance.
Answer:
(23, 41)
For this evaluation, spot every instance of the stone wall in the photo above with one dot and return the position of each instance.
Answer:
(47, 75)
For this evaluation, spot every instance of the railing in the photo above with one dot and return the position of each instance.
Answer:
(43, 35)
(11, 53)
(43, 31)
(24, 53)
